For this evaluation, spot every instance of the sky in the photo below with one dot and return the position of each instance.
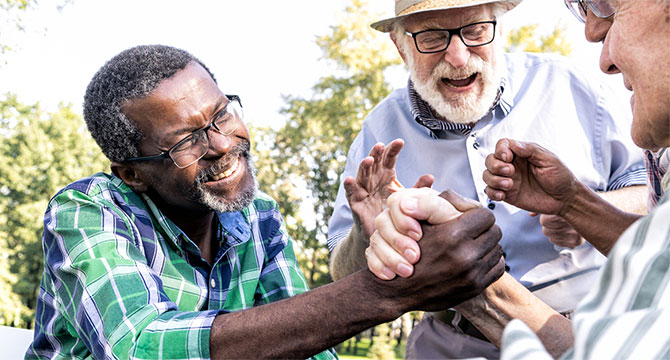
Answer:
(257, 49)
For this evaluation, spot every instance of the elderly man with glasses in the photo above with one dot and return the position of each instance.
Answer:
(624, 314)
(464, 94)
(177, 255)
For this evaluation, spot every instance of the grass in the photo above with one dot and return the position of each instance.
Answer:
(362, 350)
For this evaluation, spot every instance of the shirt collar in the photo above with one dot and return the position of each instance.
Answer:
(423, 114)
(235, 225)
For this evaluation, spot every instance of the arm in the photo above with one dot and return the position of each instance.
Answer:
(490, 311)
(507, 299)
(315, 320)
(532, 178)
(631, 199)
(367, 194)
(117, 303)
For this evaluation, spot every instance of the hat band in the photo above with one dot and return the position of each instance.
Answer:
(433, 5)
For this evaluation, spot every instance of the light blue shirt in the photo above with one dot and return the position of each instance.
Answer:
(544, 100)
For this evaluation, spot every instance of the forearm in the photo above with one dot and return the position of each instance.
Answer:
(306, 324)
(349, 254)
(599, 221)
(506, 299)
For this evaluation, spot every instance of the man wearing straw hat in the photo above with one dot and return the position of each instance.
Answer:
(463, 95)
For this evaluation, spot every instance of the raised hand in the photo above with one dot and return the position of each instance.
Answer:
(529, 177)
(375, 181)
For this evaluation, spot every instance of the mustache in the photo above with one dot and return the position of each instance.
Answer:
(241, 149)
(446, 70)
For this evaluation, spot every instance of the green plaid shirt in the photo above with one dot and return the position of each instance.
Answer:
(123, 281)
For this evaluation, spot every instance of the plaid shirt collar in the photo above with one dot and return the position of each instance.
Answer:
(423, 114)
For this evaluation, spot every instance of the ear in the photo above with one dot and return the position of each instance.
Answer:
(397, 46)
(130, 175)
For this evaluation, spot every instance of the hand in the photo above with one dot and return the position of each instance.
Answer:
(460, 258)
(529, 177)
(559, 231)
(393, 247)
(375, 181)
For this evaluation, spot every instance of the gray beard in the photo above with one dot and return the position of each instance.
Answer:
(211, 202)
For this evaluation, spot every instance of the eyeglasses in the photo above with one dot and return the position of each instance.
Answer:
(600, 8)
(435, 40)
(193, 147)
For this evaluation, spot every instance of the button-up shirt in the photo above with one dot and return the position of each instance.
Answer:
(121, 280)
(544, 100)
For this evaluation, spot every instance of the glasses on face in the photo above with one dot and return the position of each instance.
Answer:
(436, 40)
(193, 147)
(600, 8)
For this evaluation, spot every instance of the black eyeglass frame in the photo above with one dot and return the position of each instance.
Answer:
(451, 32)
(586, 5)
(166, 154)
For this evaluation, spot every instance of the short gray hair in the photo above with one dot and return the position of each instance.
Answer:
(134, 73)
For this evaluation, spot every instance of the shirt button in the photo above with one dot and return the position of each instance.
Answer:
(475, 145)
(492, 206)
(213, 282)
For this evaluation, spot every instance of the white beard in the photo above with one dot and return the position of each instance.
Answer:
(469, 107)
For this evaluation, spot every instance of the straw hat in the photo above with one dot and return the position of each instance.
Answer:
(404, 8)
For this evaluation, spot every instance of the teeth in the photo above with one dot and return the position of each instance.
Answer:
(227, 173)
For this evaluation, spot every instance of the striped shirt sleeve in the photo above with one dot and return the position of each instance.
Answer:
(626, 313)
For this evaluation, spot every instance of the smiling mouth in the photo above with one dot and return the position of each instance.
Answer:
(460, 82)
(226, 173)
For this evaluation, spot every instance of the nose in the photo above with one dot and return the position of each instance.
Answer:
(597, 30)
(219, 144)
(457, 54)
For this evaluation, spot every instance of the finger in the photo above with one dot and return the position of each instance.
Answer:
(533, 214)
(390, 155)
(497, 182)
(502, 151)
(400, 224)
(349, 186)
(535, 153)
(365, 170)
(459, 202)
(402, 244)
(556, 223)
(377, 267)
(494, 273)
(423, 204)
(494, 194)
(476, 222)
(381, 249)
(498, 167)
(424, 181)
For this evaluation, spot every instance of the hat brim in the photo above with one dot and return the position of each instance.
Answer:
(387, 24)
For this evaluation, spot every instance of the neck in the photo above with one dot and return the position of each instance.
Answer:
(197, 224)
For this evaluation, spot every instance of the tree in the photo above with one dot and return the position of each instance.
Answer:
(41, 152)
(525, 38)
(310, 149)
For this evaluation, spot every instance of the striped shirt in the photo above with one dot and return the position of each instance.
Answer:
(626, 313)
(657, 164)
(123, 281)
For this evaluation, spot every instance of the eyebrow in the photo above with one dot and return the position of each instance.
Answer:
(218, 108)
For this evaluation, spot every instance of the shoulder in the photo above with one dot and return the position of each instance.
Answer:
(100, 186)
(397, 102)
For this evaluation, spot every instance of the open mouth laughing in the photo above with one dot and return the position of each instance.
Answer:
(227, 172)
(460, 82)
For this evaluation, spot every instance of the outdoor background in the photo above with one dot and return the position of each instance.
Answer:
(307, 71)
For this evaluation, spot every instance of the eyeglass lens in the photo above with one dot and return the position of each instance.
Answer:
(600, 8)
(438, 40)
(195, 146)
